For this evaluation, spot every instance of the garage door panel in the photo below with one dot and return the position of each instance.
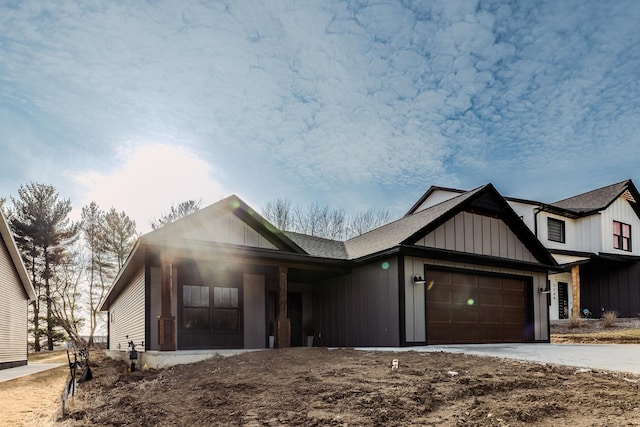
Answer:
(470, 308)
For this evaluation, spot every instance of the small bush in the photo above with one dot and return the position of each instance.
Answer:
(575, 322)
(609, 318)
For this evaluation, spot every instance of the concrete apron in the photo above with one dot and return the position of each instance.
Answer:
(609, 357)
(22, 371)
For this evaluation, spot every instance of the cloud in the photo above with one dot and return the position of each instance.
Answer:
(149, 180)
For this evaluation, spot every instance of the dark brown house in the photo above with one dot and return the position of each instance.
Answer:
(466, 270)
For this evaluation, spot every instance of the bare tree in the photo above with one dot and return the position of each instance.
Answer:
(176, 212)
(322, 221)
(279, 212)
(67, 280)
(367, 221)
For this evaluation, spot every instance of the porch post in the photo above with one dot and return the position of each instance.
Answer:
(575, 288)
(166, 322)
(283, 325)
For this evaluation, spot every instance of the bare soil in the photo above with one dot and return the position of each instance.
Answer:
(317, 386)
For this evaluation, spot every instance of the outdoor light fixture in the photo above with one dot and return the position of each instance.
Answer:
(418, 280)
(545, 290)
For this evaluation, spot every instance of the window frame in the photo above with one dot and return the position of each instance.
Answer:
(619, 238)
(563, 230)
(199, 306)
(225, 306)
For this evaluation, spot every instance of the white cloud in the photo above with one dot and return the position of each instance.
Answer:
(150, 179)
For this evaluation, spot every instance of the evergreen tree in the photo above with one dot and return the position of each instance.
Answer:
(119, 234)
(176, 212)
(43, 231)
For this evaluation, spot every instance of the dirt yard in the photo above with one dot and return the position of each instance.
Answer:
(316, 386)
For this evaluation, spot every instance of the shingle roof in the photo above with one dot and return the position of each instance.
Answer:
(318, 246)
(395, 233)
(594, 200)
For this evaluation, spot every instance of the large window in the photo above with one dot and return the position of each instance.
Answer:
(195, 307)
(555, 230)
(226, 309)
(621, 236)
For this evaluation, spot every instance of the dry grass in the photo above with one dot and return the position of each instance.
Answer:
(575, 322)
(609, 318)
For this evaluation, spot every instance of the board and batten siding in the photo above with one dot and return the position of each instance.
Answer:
(155, 307)
(620, 211)
(477, 234)
(13, 313)
(581, 234)
(126, 316)
(227, 228)
(415, 319)
(359, 309)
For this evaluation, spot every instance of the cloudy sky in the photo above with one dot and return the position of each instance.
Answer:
(358, 104)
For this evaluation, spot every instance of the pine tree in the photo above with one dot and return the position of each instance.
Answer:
(43, 231)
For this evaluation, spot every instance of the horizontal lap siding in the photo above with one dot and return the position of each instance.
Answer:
(127, 316)
(13, 311)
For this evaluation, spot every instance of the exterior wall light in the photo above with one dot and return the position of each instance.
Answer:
(418, 280)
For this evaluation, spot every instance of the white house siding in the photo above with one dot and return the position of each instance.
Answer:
(554, 308)
(126, 316)
(621, 211)
(13, 312)
(438, 196)
(226, 228)
(525, 211)
(415, 319)
(582, 234)
(477, 234)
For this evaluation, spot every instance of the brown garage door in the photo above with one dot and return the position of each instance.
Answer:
(473, 308)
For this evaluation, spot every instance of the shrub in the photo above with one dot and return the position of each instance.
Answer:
(609, 318)
(575, 322)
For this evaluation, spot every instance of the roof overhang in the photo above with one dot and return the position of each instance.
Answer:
(179, 249)
(16, 258)
(459, 257)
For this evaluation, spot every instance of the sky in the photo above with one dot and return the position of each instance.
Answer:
(138, 104)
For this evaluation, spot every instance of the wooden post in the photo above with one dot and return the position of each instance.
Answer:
(575, 288)
(166, 322)
(283, 325)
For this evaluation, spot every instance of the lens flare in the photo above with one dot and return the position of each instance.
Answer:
(385, 265)
(471, 301)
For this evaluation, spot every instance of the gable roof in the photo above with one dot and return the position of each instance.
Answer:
(428, 194)
(234, 205)
(407, 230)
(318, 246)
(10, 243)
(169, 236)
(598, 199)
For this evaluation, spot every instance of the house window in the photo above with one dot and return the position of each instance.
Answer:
(555, 230)
(226, 309)
(621, 236)
(195, 307)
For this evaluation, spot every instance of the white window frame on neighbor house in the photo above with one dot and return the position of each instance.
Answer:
(621, 236)
(558, 228)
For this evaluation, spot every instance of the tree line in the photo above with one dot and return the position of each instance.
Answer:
(321, 220)
(73, 264)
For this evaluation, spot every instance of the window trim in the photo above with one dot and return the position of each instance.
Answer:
(620, 239)
(563, 228)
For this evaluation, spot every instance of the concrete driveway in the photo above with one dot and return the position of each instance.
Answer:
(22, 371)
(611, 357)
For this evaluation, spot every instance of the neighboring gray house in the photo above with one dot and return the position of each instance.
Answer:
(466, 270)
(15, 292)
